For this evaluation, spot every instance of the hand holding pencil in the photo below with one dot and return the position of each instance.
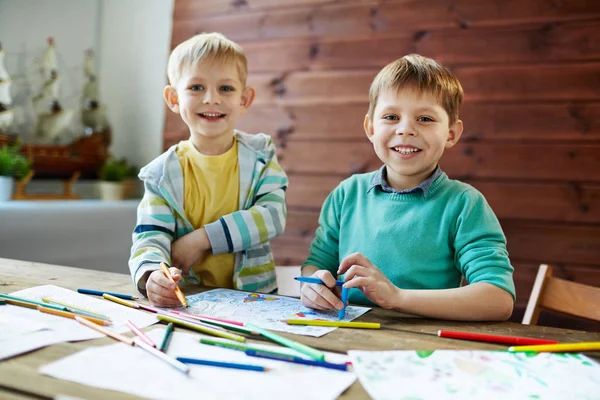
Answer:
(162, 288)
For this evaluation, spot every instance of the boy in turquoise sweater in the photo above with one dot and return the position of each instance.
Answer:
(405, 235)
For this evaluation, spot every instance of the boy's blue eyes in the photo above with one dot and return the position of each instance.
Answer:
(224, 88)
(396, 118)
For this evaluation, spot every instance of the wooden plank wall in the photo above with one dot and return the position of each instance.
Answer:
(531, 74)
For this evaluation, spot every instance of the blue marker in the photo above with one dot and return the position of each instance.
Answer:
(342, 312)
(310, 279)
(222, 364)
(296, 360)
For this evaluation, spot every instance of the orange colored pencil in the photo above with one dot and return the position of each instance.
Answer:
(20, 303)
(105, 331)
(71, 315)
(178, 291)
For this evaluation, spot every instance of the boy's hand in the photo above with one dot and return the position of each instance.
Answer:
(189, 249)
(161, 291)
(364, 275)
(319, 296)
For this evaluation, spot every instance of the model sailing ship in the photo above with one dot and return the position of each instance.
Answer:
(83, 156)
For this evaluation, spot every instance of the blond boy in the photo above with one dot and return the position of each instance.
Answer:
(211, 203)
(406, 234)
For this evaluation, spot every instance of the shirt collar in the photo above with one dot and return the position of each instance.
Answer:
(380, 179)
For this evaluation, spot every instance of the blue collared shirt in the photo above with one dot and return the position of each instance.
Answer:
(380, 179)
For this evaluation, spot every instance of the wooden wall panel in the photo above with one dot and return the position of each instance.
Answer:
(530, 71)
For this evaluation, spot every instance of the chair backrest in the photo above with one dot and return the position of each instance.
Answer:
(555, 294)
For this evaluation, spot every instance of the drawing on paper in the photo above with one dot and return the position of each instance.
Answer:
(457, 374)
(266, 311)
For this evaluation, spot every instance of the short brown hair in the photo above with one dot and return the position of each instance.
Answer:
(423, 74)
(206, 47)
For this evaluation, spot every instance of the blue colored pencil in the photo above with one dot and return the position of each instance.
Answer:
(310, 279)
(342, 312)
(100, 293)
(222, 364)
(295, 360)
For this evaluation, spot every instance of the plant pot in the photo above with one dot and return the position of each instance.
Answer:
(6, 188)
(111, 191)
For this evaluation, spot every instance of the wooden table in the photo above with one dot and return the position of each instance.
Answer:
(19, 378)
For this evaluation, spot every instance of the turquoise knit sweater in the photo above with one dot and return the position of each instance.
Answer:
(419, 242)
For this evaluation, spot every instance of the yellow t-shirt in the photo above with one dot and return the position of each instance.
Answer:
(211, 190)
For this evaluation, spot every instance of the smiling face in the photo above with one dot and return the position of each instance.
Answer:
(410, 130)
(210, 97)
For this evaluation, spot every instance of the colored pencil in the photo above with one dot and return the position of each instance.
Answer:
(108, 332)
(310, 279)
(201, 328)
(100, 293)
(228, 321)
(228, 344)
(483, 337)
(73, 308)
(162, 356)
(221, 364)
(342, 312)
(138, 332)
(178, 291)
(21, 303)
(296, 360)
(558, 348)
(221, 324)
(148, 308)
(19, 300)
(167, 338)
(302, 348)
(2, 302)
(68, 314)
(338, 324)
(120, 301)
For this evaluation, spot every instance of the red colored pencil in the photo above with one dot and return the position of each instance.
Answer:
(482, 337)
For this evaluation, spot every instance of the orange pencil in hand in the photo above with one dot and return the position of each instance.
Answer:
(178, 291)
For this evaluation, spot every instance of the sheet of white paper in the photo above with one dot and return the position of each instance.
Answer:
(11, 326)
(60, 329)
(463, 374)
(264, 310)
(130, 369)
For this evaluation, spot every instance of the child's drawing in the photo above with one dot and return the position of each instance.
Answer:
(462, 374)
(264, 310)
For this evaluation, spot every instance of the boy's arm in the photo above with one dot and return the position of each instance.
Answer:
(152, 237)
(324, 249)
(262, 222)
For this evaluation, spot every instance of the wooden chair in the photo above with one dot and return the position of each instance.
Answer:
(555, 294)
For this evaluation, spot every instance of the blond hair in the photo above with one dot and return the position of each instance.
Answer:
(211, 47)
(423, 74)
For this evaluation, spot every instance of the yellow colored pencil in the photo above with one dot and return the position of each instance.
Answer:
(120, 301)
(558, 348)
(202, 328)
(71, 315)
(62, 303)
(338, 324)
(178, 291)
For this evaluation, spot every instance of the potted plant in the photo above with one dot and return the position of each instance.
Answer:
(12, 166)
(112, 176)
(130, 179)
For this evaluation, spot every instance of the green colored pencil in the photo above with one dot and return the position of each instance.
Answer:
(201, 328)
(2, 302)
(246, 346)
(302, 348)
(166, 338)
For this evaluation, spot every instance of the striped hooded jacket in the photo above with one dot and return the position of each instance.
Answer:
(261, 217)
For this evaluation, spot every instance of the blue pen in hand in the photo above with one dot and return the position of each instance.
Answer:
(310, 279)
